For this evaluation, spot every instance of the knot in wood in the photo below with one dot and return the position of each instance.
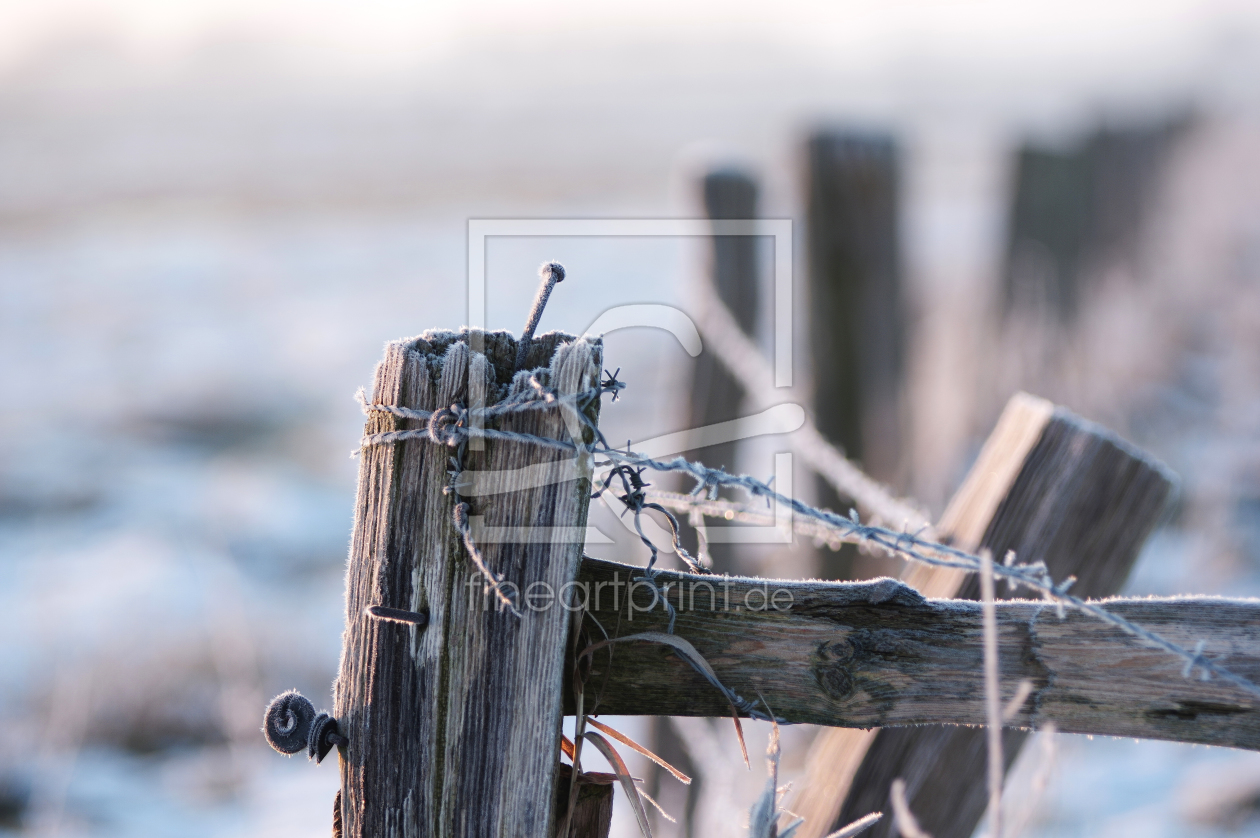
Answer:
(843, 650)
(832, 662)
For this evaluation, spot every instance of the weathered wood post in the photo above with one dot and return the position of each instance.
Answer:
(857, 331)
(451, 703)
(1053, 488)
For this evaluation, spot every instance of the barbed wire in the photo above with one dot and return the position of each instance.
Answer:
(736, 351)
(912, 546)
(740, 513)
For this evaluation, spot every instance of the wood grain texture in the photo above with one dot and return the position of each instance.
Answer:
(988, 482)
(592, 813)
(453, 727)
(837, 754)
(1057, 489)
(863, 654)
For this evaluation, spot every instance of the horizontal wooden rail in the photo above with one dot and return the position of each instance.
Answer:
(879, 654)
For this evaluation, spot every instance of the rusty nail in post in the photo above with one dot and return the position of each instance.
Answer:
(551, 273)
(396, 615)
(324, 737)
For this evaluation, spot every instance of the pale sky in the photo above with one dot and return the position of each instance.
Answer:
(392, 33)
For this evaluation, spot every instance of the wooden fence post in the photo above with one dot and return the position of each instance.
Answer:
(1074, 213)
(454, 725)
(857, 331)
(1051, 487)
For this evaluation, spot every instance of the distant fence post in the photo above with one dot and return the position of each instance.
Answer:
(1053, 488)
(1075, 212)
(453, 725)
(857, 329)
(715, 395)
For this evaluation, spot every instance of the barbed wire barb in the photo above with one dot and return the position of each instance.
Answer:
(708, 481)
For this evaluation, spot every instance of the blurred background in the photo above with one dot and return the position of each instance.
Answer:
(214, 214)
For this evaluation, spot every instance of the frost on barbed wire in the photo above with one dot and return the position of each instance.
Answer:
(912, 546)
(454, 428)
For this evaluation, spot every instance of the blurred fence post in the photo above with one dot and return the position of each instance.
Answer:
(1076, 212)
(454, 723)
(1052, 488)
(857, 331)
(715, 395)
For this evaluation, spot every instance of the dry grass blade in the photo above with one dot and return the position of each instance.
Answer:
(691, 656)
(763, 818)
(790, 830)
(627, 782)
(992, 695)
(739, 734)
(903, 818)
(1022, 691)
(666, 815)
(579, 725)
(764, 815)
(630, 743)
(1025, 812)
(566, 746)
(858, 826)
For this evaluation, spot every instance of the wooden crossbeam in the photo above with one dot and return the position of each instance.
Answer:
(880, 654)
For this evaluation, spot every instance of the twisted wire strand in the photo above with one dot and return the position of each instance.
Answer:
(538, 398)
(744, 360)
(912, 546)
(493, 582)
(744, 514)
(388, 437)
(453, 427)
